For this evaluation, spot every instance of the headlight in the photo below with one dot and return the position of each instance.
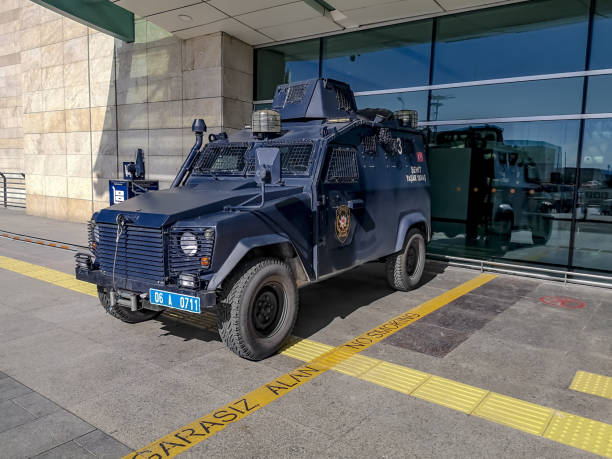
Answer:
(189, 244)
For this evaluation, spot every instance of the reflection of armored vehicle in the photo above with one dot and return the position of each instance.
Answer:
(487, 187)
(313, 189)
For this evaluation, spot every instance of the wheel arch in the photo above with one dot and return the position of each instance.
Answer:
(272, 245)
(412, 220)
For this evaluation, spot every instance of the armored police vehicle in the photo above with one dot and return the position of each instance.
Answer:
(312, 188)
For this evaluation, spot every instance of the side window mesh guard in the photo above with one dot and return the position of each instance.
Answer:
(342, 166)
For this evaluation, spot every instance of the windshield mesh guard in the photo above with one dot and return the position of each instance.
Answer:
(296, 158)
(239, 158)
(226, 158)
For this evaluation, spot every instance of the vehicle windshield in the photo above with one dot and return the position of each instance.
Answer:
(238, 159)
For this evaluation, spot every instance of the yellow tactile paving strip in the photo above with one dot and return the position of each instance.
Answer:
(565, 428)
(569, 429)
(51, 276)
(591, 383)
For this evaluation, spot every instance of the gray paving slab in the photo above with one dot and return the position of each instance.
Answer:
(283, 438)
(102, 446)
(36, 404)
(140, 382)
(151, 407)
(12, 415)
(3, 375)
(42, 434)
(9, 389)
(69, 450)
(409, 427)
(18, 222)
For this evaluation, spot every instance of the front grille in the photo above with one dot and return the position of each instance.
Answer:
(181, 263)
(140, 253)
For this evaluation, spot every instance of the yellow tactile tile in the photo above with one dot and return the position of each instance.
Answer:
(452, 394)
(515, 413)
(579, 432)
(592, 383)
(396, 377)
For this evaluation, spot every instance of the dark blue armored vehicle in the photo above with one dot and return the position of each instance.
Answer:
(312, 188)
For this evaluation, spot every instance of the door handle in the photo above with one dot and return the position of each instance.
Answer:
(356, 204)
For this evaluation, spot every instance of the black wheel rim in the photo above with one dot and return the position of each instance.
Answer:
(412, 257)
(268, 308)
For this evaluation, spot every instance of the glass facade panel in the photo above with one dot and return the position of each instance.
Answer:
(416, 100)
(504, 190)
(284, 64)
(389, 57)
(593, 243)
(562, 96)
(525, 39)
(599, 94)
(601, 58)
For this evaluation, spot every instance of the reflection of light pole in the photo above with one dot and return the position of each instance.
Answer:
(401, 99)
(437, 104)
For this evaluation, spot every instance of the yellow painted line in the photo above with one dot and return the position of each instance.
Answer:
(569, 429)
(48, 275)
(203, 428)
(591, 383)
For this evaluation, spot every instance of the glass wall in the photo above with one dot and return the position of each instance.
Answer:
(517, 105)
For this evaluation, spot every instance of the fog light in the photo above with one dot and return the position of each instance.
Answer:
(188, 281)
(205, 261)
(209, 234)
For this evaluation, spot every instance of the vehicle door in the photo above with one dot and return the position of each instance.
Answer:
(341, 200)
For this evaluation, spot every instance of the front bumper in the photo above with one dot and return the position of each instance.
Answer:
(208, 299)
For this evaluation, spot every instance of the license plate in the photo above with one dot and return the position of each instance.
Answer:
(175, 300)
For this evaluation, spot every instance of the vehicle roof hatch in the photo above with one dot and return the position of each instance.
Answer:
(318, 98)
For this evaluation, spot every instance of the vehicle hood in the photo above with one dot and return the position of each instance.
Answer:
(157, 209)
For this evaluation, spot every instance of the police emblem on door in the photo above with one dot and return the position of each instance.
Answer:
(343, 223)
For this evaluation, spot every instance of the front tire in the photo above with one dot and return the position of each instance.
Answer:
(122, 313)
(405, 269)
(258, 308)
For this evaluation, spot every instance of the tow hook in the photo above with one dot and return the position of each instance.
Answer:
(134, 302)
(115, 297)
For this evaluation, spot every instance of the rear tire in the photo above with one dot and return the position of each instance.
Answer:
(258, 308)
(122, 313)
(405, 269)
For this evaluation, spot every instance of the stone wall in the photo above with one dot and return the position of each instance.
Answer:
(11, 133)
(78, 103)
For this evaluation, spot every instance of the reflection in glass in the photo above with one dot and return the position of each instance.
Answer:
(284, 64)
(384, 58)
(593, 243)
(599, 95)
(525, 39)
(601, 58)
(416, 100)
(504, 190)
(530, 98)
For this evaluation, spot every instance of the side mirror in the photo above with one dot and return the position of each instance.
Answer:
(198, 126)
(268, 166)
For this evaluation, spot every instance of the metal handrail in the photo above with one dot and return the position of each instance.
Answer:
(571, 277)
(13, 189)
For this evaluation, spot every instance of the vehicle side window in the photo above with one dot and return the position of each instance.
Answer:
(342, 167)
